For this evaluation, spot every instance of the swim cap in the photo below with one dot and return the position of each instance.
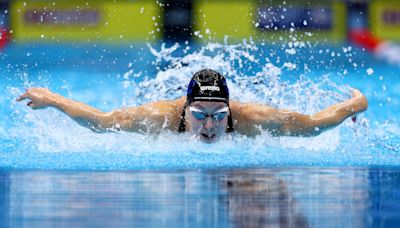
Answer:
(207, 85)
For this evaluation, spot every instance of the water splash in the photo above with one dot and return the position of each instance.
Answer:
(50, 135)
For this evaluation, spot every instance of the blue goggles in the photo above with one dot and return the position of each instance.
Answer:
(217, 115)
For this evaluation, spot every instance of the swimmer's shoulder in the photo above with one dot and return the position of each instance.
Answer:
(248, 117)
(173, 107)
(248, 109)
(170, 110)
(168, 106)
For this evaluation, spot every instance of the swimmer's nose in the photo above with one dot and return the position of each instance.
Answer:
(209, 124)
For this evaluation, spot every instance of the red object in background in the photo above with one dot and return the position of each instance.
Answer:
(382, 49)
(365, 39)
(4, 37)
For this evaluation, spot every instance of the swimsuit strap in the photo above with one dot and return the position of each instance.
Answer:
(230, 122)
(182, 123)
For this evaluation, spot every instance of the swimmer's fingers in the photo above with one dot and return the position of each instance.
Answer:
(359, 100)
(38, 97)
(23, 97)
(32, 104)
(356, 93)
(34, 94)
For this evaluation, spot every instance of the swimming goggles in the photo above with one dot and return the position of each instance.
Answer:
(217, 115)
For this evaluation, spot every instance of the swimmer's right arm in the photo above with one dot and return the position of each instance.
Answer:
(255, 117)
(148, 118)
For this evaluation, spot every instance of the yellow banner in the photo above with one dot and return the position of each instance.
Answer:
(85, 21)
(385, 19)
(235, 20)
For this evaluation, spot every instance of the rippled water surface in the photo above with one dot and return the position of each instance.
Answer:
(297, 197)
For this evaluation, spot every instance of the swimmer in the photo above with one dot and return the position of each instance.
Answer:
(205, 111)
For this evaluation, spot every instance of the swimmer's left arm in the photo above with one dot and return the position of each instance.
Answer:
(289, 123)
(147, 118)
(83, 114)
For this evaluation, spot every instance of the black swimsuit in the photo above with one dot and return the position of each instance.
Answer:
(182, 125)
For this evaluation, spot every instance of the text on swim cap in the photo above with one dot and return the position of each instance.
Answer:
(212, 88)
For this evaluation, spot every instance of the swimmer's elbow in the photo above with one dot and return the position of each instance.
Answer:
(98, 129)
(122, 120)
(314, 128)
(114, 121)
(91, 125)
(301, 125)
(101, 122)
(312, 132)
(301, 132)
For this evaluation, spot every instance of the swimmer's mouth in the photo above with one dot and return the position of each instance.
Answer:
(208, 137)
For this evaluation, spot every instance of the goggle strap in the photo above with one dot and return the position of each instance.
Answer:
(194, 109)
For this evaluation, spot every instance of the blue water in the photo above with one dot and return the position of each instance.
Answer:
(290, 197)
(57, 173)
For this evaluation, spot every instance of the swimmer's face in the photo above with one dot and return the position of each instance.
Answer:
(208, 120)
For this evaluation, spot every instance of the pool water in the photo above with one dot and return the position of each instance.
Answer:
(288, 197)
(57, 173)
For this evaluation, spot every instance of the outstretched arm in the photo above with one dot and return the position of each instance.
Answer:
(289, 123)
(150, 117)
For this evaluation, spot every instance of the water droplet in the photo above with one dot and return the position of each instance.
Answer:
(370, 71)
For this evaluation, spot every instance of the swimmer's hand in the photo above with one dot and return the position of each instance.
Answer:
(39, 98)
(359, 101)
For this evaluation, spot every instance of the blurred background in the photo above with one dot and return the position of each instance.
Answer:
(370, 24)
(364, 22)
